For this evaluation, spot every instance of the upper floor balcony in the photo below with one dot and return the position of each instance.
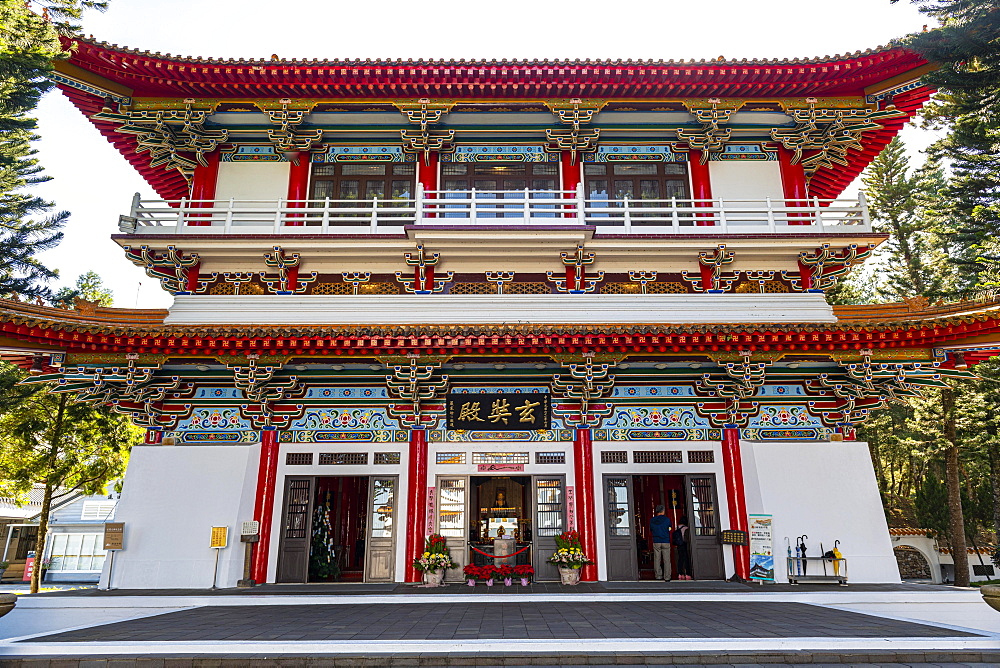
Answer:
(498, 209)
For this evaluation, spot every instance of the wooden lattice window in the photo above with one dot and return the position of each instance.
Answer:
(343, 458)
(333, 289)
(299, 459)
(550, 457)
(657, 457)
(614, 457)
(386, 458)
(666, 288)
(701, 456)
(629, 288)
(526, 288)
(297, 514)
(449, 457)
(473, 289)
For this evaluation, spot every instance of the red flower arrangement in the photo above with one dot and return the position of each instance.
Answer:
(524, 571)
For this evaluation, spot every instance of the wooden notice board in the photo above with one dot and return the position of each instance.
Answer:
(114, 536)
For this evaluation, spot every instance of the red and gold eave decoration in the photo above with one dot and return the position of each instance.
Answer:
(137, 331)
(165, 76)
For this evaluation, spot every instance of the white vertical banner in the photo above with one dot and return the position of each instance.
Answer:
(431, 510)
(761, 548)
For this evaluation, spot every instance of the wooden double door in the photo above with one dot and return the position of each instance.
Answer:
(338, 528)
(629, 504)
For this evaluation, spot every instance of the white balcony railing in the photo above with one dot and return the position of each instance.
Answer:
(494, 209)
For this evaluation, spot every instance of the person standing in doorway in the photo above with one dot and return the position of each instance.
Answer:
(660, 529)
(680, 541)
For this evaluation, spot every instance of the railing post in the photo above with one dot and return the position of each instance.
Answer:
(723, 223)
(325, 226)
(581, 204)
(675, 221)
(418, 215)
(277, 214)
(819, 213)
(628, 215)
(863, 203)
(229, 216)
(527, 206)
(181, 210)
(374, 217)
(134, 212)
(472, 205)
(770, 215)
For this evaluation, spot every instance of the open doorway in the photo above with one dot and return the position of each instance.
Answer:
(337, 545)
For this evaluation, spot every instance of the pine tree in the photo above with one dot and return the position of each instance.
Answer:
(29, 43)
(89, 287)
(967, 48)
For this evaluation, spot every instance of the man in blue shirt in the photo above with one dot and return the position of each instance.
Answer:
(660, 528)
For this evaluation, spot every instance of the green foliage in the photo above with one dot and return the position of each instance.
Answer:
(967, 48)
(90, 287)
(47, 439)
(931, 504)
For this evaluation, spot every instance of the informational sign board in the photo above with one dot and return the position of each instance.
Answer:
(761, 548)
(220, 537)
(431, 510)
(114, 536)
(29, 567)
(500, 468)
(734, 537)
(250, 528)
(571, 508)
(498, 412)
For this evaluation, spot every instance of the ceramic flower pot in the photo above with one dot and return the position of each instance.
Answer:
(434, 578)
(524, 582)
(472, 582)
(489, 583)
(507, 582)
(991, 594)
(7, 602)
(569, 576)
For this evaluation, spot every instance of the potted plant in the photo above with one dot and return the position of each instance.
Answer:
(507, 573)
(435, 560)
(569, 557)
(472, 573)
(525, 572)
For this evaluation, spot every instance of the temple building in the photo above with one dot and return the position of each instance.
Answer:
(494, 300)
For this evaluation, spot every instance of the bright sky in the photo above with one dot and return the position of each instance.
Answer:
(94, 182)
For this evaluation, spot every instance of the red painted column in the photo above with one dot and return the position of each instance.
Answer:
(416, 502)
(298, 186)
(427, 176)
(153, 437)
(193, 273)
(793, 185)
(263, 507)
(203, 184)
(586, 520)
(732, 470)
(571, 178)
(701, 185)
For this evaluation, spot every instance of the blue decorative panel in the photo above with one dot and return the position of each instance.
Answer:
(784, 416)
(807, 434)
(781, 391)
(657, 434)
(631, 152)
(743, 152)
(252, 153)
(500, 153)
(218, 393)
(214, 419)
(364, 154)
(347, 418)
(498, 390)
(654, 391)
(212, 437)
(672, 417)
(543, 435)
(346, 393)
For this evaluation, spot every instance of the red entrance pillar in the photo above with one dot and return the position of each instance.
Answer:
(571, 179)
(701, 185)
(427, 176)
(732, 469)
(263, 507)
(793, 186)
(298, 186)
(203, 184)
(416, 502)
(583, 465)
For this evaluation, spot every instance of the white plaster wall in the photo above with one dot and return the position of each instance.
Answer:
(252, 181)
(745, 179)
(826, 490)
(172, 496)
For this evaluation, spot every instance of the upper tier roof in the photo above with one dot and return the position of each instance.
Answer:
(164, 75)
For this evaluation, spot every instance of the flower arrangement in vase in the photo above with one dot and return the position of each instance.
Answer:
(435, 560)
(569, 557)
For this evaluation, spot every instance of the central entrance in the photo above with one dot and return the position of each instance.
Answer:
(486, 518)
